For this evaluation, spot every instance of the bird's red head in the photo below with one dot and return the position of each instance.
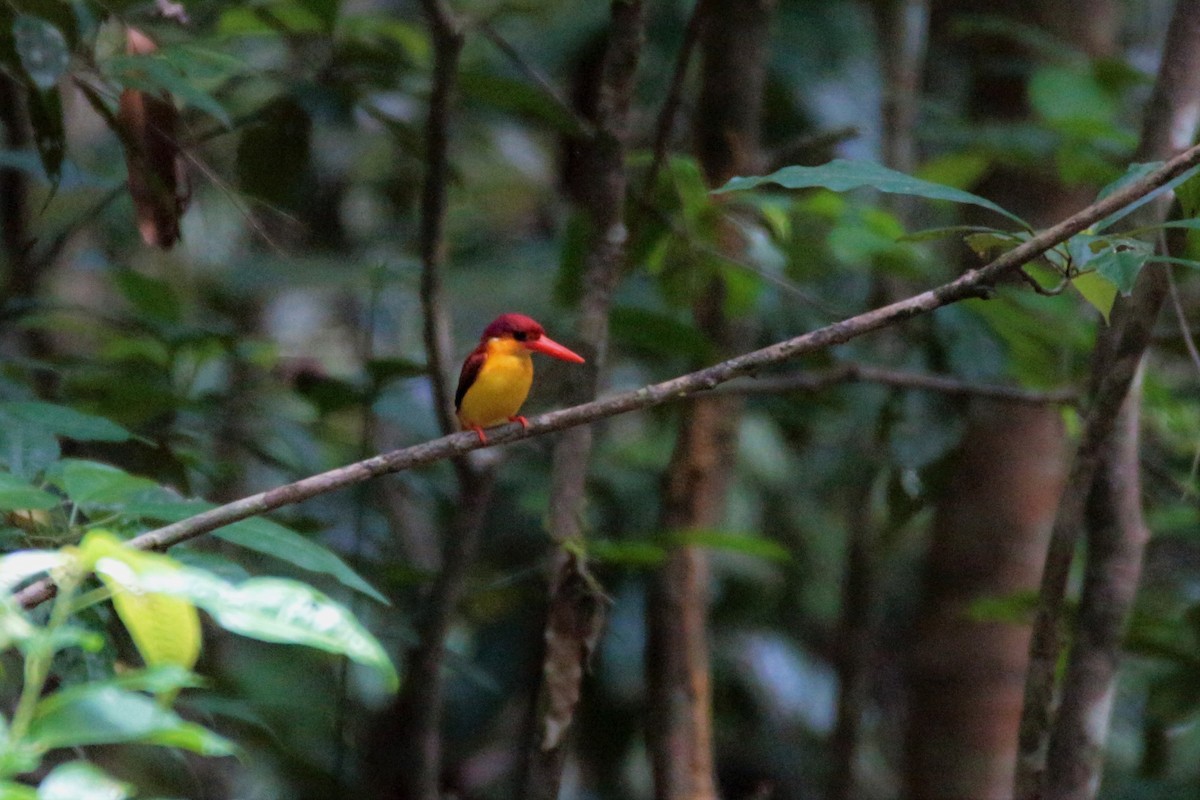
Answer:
(530, 333)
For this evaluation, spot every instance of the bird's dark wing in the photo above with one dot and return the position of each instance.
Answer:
(470, 371)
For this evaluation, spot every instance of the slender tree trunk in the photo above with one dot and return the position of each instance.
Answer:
(991, 526)
(1072, 742)
(734, 47)
(575, 615)
(989, 535)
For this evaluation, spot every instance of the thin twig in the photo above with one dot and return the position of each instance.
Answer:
(972, 283)
(1188, 340)
(665, 124)
(583, 128)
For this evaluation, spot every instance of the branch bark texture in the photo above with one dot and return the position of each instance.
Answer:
(972, 283)
(1169, 126)
(733, 37)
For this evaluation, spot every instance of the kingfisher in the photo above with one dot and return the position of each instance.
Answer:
(496, 377)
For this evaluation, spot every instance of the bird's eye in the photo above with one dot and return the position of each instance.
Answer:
(520, 336)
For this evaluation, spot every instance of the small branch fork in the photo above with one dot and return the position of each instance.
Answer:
(973, 283)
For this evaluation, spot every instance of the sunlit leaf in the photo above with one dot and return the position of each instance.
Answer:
(270, 609)
(91, 484)
(264, 536)
(24, 564)
(841, 175)
(80, 780)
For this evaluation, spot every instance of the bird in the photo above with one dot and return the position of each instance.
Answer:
(496, 376)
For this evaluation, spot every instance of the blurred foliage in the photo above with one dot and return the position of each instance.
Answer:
(282, 337)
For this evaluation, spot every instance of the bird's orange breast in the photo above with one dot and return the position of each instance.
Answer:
(500, 387)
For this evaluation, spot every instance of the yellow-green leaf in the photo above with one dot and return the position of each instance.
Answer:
(1100, 292)
(165, 629)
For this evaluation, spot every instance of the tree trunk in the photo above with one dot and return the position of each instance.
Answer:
(991, 526)
(734, 51)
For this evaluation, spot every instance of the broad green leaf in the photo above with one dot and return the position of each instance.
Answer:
(1099, 291)
(24, 564)
(841, 175)
(156, 74)
(658, 334)
(270, 609)
(1121, 263)
(746, 544)
(165, 629)
(66, 421)
(42, 49)
(385, 370)
(626, 554)
(26, 449)
(959, 170)
(269, 538)
(151, 296)
(80, 780)
(157, 680)
(101, 713)
(1066, 95)
(17, 494)
(17, 791)
(90, 484)
(517, 97)
(990, 244)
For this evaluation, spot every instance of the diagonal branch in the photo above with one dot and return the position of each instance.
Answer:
(973, 283)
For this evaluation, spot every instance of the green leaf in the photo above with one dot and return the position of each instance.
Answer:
(518, 97)
(17, 494)
(66, 421)
(26, 449)
(1122, 262)
(90, 484)
(744, 543)
(386, 370)
(1097, 290)
(270, 609)
(841, 175)
(156, 74)
(264, 536)
(1066, 95)
(153, 297)
(101, 713)
(49, 135)
(658, 334)
(17, 791)
(42, 48)
(626, 554)
(79, 780)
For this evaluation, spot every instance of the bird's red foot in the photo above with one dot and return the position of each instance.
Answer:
(518, 418)
(479, 432)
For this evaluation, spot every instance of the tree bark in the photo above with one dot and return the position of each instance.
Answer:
(989, 532)
(734, 47)
(966, 747)
(575, 616)
(1170, 123)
